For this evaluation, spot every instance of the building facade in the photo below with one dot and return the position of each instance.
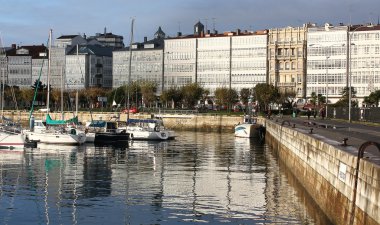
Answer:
(364, 60)
(109, 39)
(146, 62)
(24, 65)
(287, 59)
(89, 66)
(233, 59)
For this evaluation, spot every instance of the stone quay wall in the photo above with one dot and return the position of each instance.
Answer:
(195, 122)
(327, 172)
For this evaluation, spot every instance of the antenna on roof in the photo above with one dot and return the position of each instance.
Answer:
(213, 24)
(206, 23)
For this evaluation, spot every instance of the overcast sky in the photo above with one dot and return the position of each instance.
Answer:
(27, 22)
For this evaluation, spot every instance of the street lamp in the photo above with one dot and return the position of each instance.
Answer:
(349, 75)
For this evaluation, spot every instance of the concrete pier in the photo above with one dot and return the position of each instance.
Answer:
(348, 192)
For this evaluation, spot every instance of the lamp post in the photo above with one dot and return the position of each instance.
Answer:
(327, 84)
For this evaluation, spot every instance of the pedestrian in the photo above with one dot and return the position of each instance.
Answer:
(323, 113)
(315, 113)
(308, 113)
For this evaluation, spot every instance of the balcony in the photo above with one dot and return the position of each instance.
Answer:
(286, 84)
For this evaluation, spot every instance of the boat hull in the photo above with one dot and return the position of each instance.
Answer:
(11, 140)
(148, 135)
(56, 138)
(248, 130)
(106, 137)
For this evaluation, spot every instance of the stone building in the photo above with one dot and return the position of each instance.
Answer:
(287, 59)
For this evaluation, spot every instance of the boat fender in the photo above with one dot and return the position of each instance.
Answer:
(163, 134)
(122, 132)
(73, 131)
(131, 135)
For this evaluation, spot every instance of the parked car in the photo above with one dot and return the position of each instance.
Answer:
(132, 110)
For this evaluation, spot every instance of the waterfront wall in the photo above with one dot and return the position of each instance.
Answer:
(195, 122)
(327, 171)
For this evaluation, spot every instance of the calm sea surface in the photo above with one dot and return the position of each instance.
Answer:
(200, 178)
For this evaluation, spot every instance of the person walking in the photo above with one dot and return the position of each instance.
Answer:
(308, 113)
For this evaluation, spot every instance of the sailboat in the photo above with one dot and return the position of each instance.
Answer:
(11, 136)
(39, 132)
(140, 129)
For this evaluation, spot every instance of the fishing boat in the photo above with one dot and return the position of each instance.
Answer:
(249, 128)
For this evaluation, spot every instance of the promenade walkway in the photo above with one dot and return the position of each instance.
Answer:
(355, 133)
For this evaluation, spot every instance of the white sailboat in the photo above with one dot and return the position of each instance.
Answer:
(142, 129)
(39, 132)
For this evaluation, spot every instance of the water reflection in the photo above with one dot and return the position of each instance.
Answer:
(200, 177)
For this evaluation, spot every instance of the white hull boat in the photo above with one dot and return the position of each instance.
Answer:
(10, 140)
(148, 129)
(249, 129)
(40, 134)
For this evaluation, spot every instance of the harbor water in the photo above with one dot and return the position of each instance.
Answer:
(199, 178)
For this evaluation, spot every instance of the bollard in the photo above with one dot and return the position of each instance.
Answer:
(344, 141)
(294, 125)
(311, 131)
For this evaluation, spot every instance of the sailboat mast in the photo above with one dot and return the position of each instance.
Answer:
(63, 117)
(2, 60)
(48, 75)
(130, 65)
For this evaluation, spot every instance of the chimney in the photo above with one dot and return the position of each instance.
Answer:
(208, 31)
(238, 32)
(145, 39)
(105, 30)
(179, 34)
(14, 46)
(215, 32)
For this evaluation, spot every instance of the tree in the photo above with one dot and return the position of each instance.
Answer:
(373, 98)
(265, 94)
(191, 93)
(173, 95)
(39, 88)
(343, 101)
(225, 96)
(245, 94)
(148, 92)
(287, 99)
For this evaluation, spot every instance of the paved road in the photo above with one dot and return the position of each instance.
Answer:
(356, 133)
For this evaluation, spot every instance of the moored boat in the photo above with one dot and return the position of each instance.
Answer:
(249, 128)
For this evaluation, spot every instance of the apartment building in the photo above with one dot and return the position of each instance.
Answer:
(146, 62)
(24, 64)
(60, 47)
(364, 59)
(232, 59)
(287, 59)
(88, 66)
(108, 39)
(327, 61)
